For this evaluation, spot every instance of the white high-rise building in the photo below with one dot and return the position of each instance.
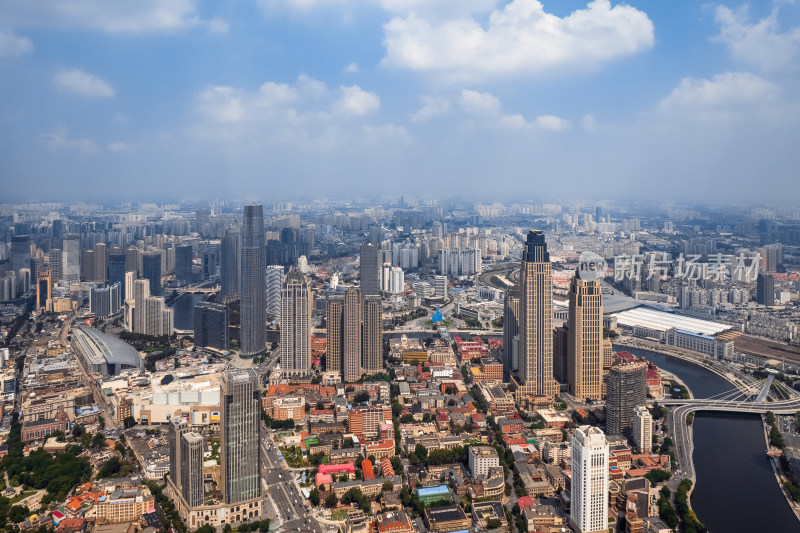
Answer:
(302, 264)
(643, 429)
(70, 259)
(275, 277)
(386, 276)
(440, 286)
(456, 262)
(589, 511)
(398, 283)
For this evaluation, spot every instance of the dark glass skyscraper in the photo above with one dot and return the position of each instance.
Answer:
(183, 263)
(239, 452)
(253, 300)
(211, 325)
(116, 270)
(369, 269)
(230, 267)
(151, 270)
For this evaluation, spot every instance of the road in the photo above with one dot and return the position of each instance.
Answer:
(290, 507)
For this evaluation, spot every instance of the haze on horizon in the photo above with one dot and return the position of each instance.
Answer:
(487, 99)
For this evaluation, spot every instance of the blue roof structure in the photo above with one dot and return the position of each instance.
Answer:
(431, 491)
(437, 317)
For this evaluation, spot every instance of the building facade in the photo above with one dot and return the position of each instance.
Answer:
(253, 314)
(295, 325)
(585, 339)
(589, 507)
(240, 406)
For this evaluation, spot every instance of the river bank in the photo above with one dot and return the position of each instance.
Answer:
(731, 468)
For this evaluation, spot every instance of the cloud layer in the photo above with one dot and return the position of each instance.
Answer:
(77, 81)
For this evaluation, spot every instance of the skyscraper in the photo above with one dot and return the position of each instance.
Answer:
(510, 332)
(626, 389)
(56, 259)
(211, 325)
(100, 262)
(585, 338)
(351, 350)
(765, 289)
(275, 278)
(191, 458)
(240, 456)
(116, 270)
(20, 252)
(183, 264)
(71, 258)
(253, 291)
(230, 267)
(334, 324)
(643, 429)
(589, 510)
(369, 269)
(133, 260)
(151, 270)
(295, 325)
(177, 428)
(536, 318)
(372, 351)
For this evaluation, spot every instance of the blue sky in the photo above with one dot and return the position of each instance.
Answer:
(481, 99)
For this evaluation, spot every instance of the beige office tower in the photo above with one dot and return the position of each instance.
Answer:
(191, 470)
(295, 325)
(240, 457)
(585, 339)
(141, 291)
(372, 351)
(100, 262)
(351, 346)
(536, 318)
(334, 317)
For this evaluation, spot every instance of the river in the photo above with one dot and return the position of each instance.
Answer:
(736, 490)
(183, 310)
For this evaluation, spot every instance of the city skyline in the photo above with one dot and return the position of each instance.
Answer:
(277, 98)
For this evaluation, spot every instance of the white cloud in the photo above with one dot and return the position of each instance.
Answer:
(588, 123)
(725, 90)
(59, 141)
(552, 123)
(385, 134)
(352, 68)
(479, 103)
(217, 25)
(760, 43)
(12, 45)
(520, 39)
(356, 101)
(220, 103)
(82, 83)
(432, 107)
(139, 16)
(119, 118)
(118, 147)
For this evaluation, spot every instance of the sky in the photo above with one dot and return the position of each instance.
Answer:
(519, 100)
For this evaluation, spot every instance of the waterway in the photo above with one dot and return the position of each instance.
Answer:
(183, 310)
(736, 490)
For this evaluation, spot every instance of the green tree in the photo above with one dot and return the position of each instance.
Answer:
(129, 422)
(331, 501)
(313, 497)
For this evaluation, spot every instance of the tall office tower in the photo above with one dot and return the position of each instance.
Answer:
(334, 328)
(589, 511)
(192, 445)
(253, 291)
(375, 234)
(201, 219)
(598, 213)
(71, 258)
(765, 289)
(585, 339)
(510, 332)
(44, 287)
(56, 259)
(177, 428)
(369, 269)
(372, 336)
(351, 338)
(151, 270)
(240, 404)
(87, 265)
(141, 291)
(440, 286)
(100, 262)
(130, 279)
(20, 252)
(230, 267)
(643, 429)
(133, 260)
(560, 355)
(116, 270)
(626, 389)
(211, 325)
(295, 325)
(157, 317)
(536, 317)
(183, 264)
(274, 282)
(99, 301)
